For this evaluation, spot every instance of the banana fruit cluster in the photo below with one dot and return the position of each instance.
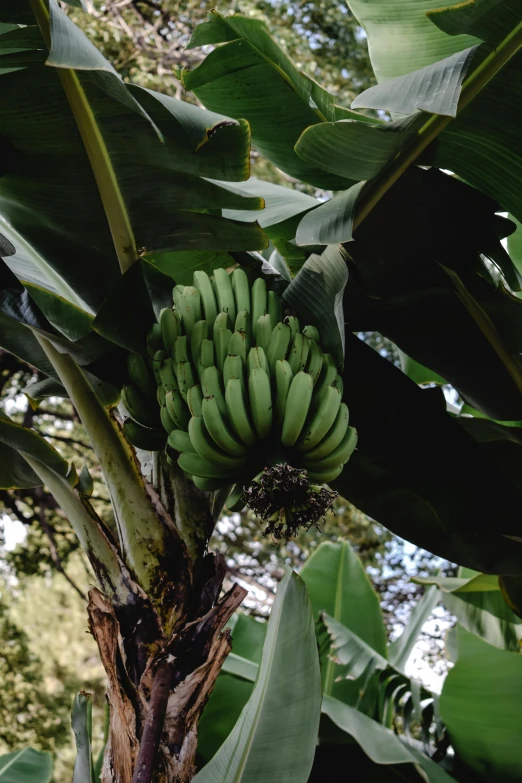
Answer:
(239, 388)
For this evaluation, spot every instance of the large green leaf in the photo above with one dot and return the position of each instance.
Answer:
(250, 76)
(275, 736)
(339, 586)
(233, 685)
(15, 473)
(380, 744)
(316, 295)
(435, 88)
(480, 705)
(61, 480)
(400, 650)
(420, 474)
(156, 186)
(26, 766)
(477, 602)
(420, 253)
(384, 692)
(479, 149)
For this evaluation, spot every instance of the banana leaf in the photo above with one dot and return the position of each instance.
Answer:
(480, 705)
(477, 602)
(283, 710)
(251, 76)
(151, 155)
(430, 484)
(26, 766)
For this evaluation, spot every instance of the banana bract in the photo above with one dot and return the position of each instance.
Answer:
(247, 398)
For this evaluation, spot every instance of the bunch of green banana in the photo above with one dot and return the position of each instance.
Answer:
(241, 389)
(139, 396)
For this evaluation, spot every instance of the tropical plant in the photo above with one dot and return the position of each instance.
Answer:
(112, 193)
(373, 714)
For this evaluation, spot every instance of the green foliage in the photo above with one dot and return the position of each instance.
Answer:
(480, 707)
(26, 766)
(283, 709)
(387, 698)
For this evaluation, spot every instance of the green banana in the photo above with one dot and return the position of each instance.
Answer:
(233, 368)
(333, 437)
(167, 375)
(154, 340)
(179, 440)
(314, 364)
(170, 328)
(241, 289)
(263, 332)
(225, 294)
(140, 374)
(181, 349)
(177, 296)
(206, 353)
(298, 353)
(260, 401)
(139, 408)
(222, 322)
(157, 361)
(166, 419)
(338, 383)
(244, 324)
(190, 310)
(177, 409)
(218, 429)
(237, 412)
(197, 466)
(293, 323)
(283, 375)
(323, 413)
(185, 378)
(338, 456)
(208, 301)
(278, 346)
(199, 333)
(206, 447)
(160, 395)
(325, 476)
(257, 359)
(211, 386)
(327, 375)
(221, 340)
(208, 484)
(234, 501)
(297, 406)
(143, 437)
(274, 308)
(258, 300)
(238, 346)
(313, 333)
(194, 400)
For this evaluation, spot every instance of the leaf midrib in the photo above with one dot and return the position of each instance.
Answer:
(330, 666)
(244, 756)
(13, 760)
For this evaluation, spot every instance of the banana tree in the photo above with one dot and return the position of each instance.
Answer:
(111, 194)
